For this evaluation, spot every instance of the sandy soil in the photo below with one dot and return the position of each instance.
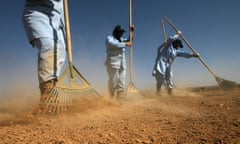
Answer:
(203, 117)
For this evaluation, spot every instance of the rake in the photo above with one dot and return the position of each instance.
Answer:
(72, 87)
(132, 91)
(222, 83)
(164, 31)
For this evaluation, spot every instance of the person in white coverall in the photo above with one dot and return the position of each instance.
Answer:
(166, 54)
(116, 61)
(43, 21)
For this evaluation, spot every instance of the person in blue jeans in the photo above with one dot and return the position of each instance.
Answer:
(43, 21)
(116, 60)
(166, 54)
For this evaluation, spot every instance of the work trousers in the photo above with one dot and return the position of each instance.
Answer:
(51, 58)
(164, 79)
(116, 80)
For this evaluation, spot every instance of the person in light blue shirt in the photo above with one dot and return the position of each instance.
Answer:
(166, 54)
(43, 21)
(116, 61)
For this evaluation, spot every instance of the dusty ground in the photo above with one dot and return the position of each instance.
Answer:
(211, 116)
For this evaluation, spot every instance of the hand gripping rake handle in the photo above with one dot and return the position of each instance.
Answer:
(68, 37)
(189, 45)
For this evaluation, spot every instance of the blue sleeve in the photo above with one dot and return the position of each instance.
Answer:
(112, 42)
(183, 54)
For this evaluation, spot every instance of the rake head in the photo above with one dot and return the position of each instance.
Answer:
(67, 93)
(225, 84)
(132, 93)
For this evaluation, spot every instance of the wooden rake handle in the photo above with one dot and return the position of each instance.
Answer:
(164, 32)
(189, 45)
(130, 39)
(68, 36)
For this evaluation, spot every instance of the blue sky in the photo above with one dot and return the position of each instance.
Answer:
(212, 28)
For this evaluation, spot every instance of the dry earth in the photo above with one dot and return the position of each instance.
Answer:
(193, 117)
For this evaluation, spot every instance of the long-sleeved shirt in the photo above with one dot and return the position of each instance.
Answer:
(115, 50)
(166, 55)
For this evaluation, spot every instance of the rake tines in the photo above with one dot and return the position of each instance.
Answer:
(132, 92)
(63, 101)
(225, 84)
(58, 100)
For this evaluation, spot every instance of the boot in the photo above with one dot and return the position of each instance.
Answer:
(111, 92)
(158, 87)
(45, 88)
(120, 94)
(170, 92)
(158, 92)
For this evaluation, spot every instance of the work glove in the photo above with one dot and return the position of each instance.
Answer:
(179, 33)
(195, 55)
(129, 44)
(132, 28)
